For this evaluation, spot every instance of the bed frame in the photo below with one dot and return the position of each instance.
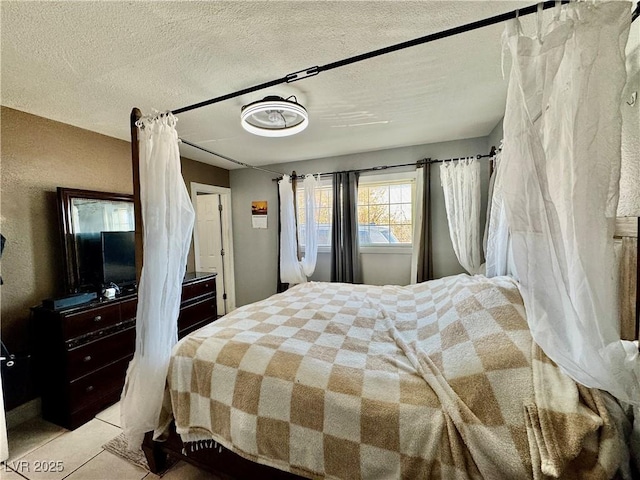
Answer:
(628, 249)
(220, 461)
(230, 466)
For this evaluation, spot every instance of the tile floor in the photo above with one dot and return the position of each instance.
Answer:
(80, 453)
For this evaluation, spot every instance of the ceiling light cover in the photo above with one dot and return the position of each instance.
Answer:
(274, 117)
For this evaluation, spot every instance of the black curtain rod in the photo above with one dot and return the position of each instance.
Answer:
(428, 160)
(312, 71)
(419, 163)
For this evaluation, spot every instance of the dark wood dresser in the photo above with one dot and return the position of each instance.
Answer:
(82, 353)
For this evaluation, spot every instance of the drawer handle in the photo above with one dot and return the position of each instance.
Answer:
(97, 318)
(206, 285)
(89, 389)
(87, 358)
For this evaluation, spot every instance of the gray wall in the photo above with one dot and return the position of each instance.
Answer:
(255, 251)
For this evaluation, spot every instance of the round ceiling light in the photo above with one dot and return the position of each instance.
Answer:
(274, 117)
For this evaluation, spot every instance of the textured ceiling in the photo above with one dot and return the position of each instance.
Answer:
(89, 63)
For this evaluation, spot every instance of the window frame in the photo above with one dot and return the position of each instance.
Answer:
(398, 177)
(368, 179)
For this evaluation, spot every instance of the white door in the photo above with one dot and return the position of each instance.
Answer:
(208, 231)
(212, 240)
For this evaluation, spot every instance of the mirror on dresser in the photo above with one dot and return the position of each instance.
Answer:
(97, 239)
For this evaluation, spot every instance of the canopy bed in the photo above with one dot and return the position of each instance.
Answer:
(447, 378)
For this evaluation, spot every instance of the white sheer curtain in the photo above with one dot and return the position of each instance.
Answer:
(562, 137)
(461, 185)
(292, 270)
(499, 253)
(168, 218)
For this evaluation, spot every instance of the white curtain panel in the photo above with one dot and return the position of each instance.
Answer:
(292, 270)
(499, 253)
(562, 137)
(461, 185)
(168, 218)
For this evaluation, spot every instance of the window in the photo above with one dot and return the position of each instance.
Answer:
(385, 209)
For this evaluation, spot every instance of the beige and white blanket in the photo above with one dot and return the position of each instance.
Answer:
(435, 380)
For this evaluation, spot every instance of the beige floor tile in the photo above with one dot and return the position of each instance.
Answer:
(111, 415)
(184, 471)
(74, 449)
(106, 466)
(32, 434)
(7, 474)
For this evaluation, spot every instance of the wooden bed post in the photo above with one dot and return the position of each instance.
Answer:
(637, 332)
(135, 165)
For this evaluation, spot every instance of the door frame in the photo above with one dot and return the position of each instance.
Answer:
(229, 279)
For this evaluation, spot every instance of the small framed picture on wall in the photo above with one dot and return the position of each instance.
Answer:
(259, 214)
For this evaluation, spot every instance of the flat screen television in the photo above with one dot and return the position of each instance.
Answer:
(88, 253)
(118, 258)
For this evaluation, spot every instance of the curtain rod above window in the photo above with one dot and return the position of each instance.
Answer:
(419, 163)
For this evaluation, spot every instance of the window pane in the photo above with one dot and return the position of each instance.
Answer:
(402, 233)
(379, 214)
(385, 214)
(327, 197)
(324, 235)
(324, 216)
(395, 193)
(363, 195)
(400, 213)
(379, 194)
(406, 194)
(363, 214)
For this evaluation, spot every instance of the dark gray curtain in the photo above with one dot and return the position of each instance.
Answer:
(425, 247)
(345, 254)
(280, 287)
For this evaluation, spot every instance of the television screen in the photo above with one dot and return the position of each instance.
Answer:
(88, 253)
(118, 258)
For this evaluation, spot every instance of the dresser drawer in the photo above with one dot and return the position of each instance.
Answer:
(91, 388)
(194, 327)
(197, 289)
(88, 321)
(93, 355)
(196, 313)
(128, 309)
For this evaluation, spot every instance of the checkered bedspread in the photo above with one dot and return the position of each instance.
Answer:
(435, 380)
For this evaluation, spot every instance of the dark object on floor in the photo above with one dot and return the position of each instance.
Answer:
(118, 446)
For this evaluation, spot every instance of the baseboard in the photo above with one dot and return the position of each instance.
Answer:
(24, 412)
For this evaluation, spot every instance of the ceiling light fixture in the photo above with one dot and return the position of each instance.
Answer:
(274, 117)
